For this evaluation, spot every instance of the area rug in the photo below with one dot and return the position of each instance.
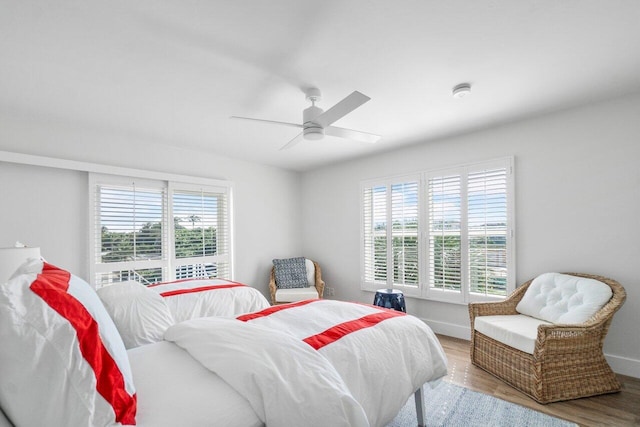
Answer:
(447, 404)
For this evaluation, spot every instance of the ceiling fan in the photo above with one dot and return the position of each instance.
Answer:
(316, 122)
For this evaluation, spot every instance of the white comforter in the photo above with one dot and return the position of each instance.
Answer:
(194, 298)
(318, 362)
(286, 382)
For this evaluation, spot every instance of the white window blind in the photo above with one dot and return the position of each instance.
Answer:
(404, 233)
(153, 231)
(470, 223)
(129, 236)
(488, 232)
(445, 233)
(466, 251)
(390, 233)
(375, 235)
(201, 233)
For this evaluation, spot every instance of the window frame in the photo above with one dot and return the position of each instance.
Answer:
(168, 262)
(424, 290)
(174, 261)
(388, 183)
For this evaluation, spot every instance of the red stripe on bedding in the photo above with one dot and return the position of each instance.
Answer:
(200, 289)
(274, 309)
(52, 288)
(343, 329)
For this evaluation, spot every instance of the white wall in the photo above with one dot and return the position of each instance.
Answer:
(577, 208)
(48, 207)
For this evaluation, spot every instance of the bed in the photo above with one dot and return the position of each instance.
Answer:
(142, 313)
(194, 298)
(312, 363)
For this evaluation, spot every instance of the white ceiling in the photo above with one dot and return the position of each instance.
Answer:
(173, 72)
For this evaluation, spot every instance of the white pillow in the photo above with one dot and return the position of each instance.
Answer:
(62, 362)
(563, 298)
(140, 314)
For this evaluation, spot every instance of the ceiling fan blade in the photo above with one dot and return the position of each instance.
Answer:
(352, 134)
(341, 109)
(267, 121)
(293, 142)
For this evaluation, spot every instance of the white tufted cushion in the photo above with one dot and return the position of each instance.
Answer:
(563, 298)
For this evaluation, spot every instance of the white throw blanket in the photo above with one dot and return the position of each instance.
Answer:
(365, 358)
(286, 382)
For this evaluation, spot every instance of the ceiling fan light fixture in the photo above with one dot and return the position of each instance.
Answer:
(461, 90)
(313, 133)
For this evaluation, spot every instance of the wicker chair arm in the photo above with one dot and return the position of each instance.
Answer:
(505, 307)
(568, 330)
(272, 286)
(568, 339)
(318, 278)
(491, 308)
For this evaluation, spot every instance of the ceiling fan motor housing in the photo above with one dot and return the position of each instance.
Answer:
(311, 129)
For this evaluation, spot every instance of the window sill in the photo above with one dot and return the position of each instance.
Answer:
(438, 300)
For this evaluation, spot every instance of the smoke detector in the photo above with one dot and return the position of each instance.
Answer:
(461, 90)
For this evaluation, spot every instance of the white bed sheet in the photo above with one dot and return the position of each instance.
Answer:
(173, 390)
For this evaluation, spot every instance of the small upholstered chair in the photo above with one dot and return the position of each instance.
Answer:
(295, 279)
(546, 338)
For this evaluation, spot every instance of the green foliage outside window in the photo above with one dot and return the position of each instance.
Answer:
(445, 253)
(119, 246)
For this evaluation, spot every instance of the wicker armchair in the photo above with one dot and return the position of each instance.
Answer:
(567, 362)
(273, 288)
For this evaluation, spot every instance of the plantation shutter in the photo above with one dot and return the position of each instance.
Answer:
(445, 233)
(201, 232)
(375, 234)
(404, 220)
(128, 234)
(465, 252)
(487, 225)
(390, 233)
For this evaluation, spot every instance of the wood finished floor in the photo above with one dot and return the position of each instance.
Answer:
(616, 409)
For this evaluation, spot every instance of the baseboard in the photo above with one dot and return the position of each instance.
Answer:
(620, 365)
(624, 365)
(449, 329)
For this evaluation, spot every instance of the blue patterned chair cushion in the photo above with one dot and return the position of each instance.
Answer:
(290, 273)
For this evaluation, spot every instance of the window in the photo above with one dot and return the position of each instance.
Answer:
(445, 233)
(201, 232)
(153, 231)
(467, 215)
(390, 233)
